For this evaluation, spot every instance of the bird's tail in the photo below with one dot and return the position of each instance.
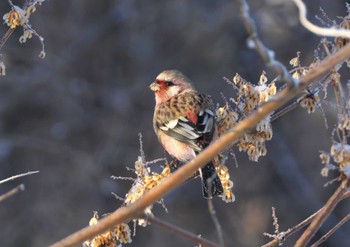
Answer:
(211, 183)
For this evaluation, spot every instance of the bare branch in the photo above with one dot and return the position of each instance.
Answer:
(346, 195)
(18, 176)
(296, 228)
(180, 232)
(332, 32)
(333, 230)
(322, 215)
(266, 54)
(10, 193)
(216, 222)
(291, 231)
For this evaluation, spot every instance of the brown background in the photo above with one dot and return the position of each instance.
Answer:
(76, 115)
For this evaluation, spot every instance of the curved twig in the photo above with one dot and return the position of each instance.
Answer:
(18, 176)
(332, 32)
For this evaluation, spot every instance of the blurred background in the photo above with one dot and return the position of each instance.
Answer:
(75, 116)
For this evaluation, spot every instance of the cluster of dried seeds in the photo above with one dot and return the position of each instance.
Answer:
(19, 17)
(249, 97)
(120, 234)
(227, 184)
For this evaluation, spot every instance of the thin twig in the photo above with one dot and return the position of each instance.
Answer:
(291, 231)
(10, 193)
(216, 221)
(18, 176)
(284, 111)
(296, 228)
(180, 232)
(333, 230)
(346, 195)
(10, 30)
(6, 37)
(322, 216)
(332, 32)
(266, 54)
(134, 210)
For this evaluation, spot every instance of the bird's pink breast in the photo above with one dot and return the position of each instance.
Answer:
(181, 151)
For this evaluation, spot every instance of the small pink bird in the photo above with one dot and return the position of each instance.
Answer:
(184, 123)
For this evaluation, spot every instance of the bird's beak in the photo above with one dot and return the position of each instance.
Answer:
(154, 86)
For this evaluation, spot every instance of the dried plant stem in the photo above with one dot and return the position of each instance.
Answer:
(17, 176)
(5, 37)
(291, 231)
(346, 195)
(135, 209)
(10, 193)
(181, 232)
(333, 230)
(284, 111)
(216, 222)
(338, 95)
(296, 228)
(267, 55)
(322, 216)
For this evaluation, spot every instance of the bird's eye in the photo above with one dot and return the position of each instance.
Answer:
(169, 83)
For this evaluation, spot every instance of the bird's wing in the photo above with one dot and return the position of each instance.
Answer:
(193, 122)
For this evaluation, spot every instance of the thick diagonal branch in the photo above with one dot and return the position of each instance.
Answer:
(322, 216)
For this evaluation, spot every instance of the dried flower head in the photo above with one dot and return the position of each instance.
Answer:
(27, 34)
(123, 233)
(325, 158)
(237, 79)
(295, 61)
(296, 75)
(111, 238)
(263, 78)
(226, 119)
(18, 16)
(145, 181)
(227, 184)
(249, 97)
(15, 17)
(344, 122)
(340, 153)
(309, 101)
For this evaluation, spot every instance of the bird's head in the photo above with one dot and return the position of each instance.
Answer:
(168, 84)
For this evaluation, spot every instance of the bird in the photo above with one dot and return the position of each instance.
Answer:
(184, 122)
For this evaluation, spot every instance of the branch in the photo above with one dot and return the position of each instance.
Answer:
(291, 231)
(332, 32)
(266, 54)
(330, 232)
(6, 37)
(10, 193)
(135, 209)
(216, 222)
(322, 216)
(294, 229)
(346, 195)
(181, 232)
(17, 176)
